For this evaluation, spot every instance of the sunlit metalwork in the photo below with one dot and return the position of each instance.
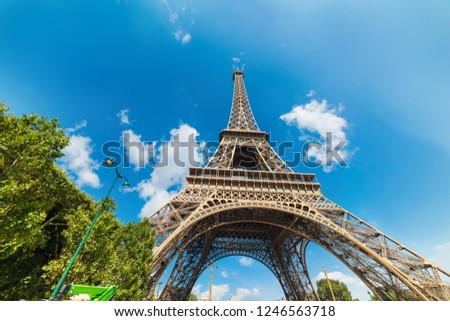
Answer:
(248, 202)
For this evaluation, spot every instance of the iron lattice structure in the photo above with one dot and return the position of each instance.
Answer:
(248, 202)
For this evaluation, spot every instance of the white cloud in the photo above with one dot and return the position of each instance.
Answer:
(357, 288)
(155, 201)
(196, 290)
(71, 130)
(221, 291)
(311, 93)
(123, 116)
(345, 278)
(182, 21)
(242, 293)
(173, 17)
(136, 150)
(182, 36)
(218, 292)
(166, 180)
(177, 34)
(186, 38)
(318, 117)
(441, 255)
(245, 261)
(77, 161)
(224, 274)
(322, 119)
(238, 61)
(444, 247)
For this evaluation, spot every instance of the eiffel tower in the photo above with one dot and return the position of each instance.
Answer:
(246, 201)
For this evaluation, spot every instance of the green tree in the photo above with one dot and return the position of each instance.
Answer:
(193, 297)
(113, 254)
(43, 217)
(34, 197)
(373, 297)
(340, 290)
(389, 296)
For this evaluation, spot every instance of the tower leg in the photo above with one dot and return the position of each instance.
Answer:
(187, 269)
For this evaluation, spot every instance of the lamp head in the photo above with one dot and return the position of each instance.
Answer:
(126, 184)
(110, 162)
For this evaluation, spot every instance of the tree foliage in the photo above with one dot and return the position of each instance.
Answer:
(388, 295)
(192, 297)
(340, 290)
(43, 217)
(113, 254)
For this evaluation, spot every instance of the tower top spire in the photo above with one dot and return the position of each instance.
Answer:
(238, 72)
(241, 116)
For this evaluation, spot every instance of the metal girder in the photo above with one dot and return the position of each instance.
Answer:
(248, 202)
(250, 240)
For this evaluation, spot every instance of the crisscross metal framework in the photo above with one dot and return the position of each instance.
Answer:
(248, 202)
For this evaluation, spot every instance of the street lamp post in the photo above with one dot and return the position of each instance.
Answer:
(108, 162)
(329, 284)
(213, 267)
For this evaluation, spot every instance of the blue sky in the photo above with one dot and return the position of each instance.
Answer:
(382, 68)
